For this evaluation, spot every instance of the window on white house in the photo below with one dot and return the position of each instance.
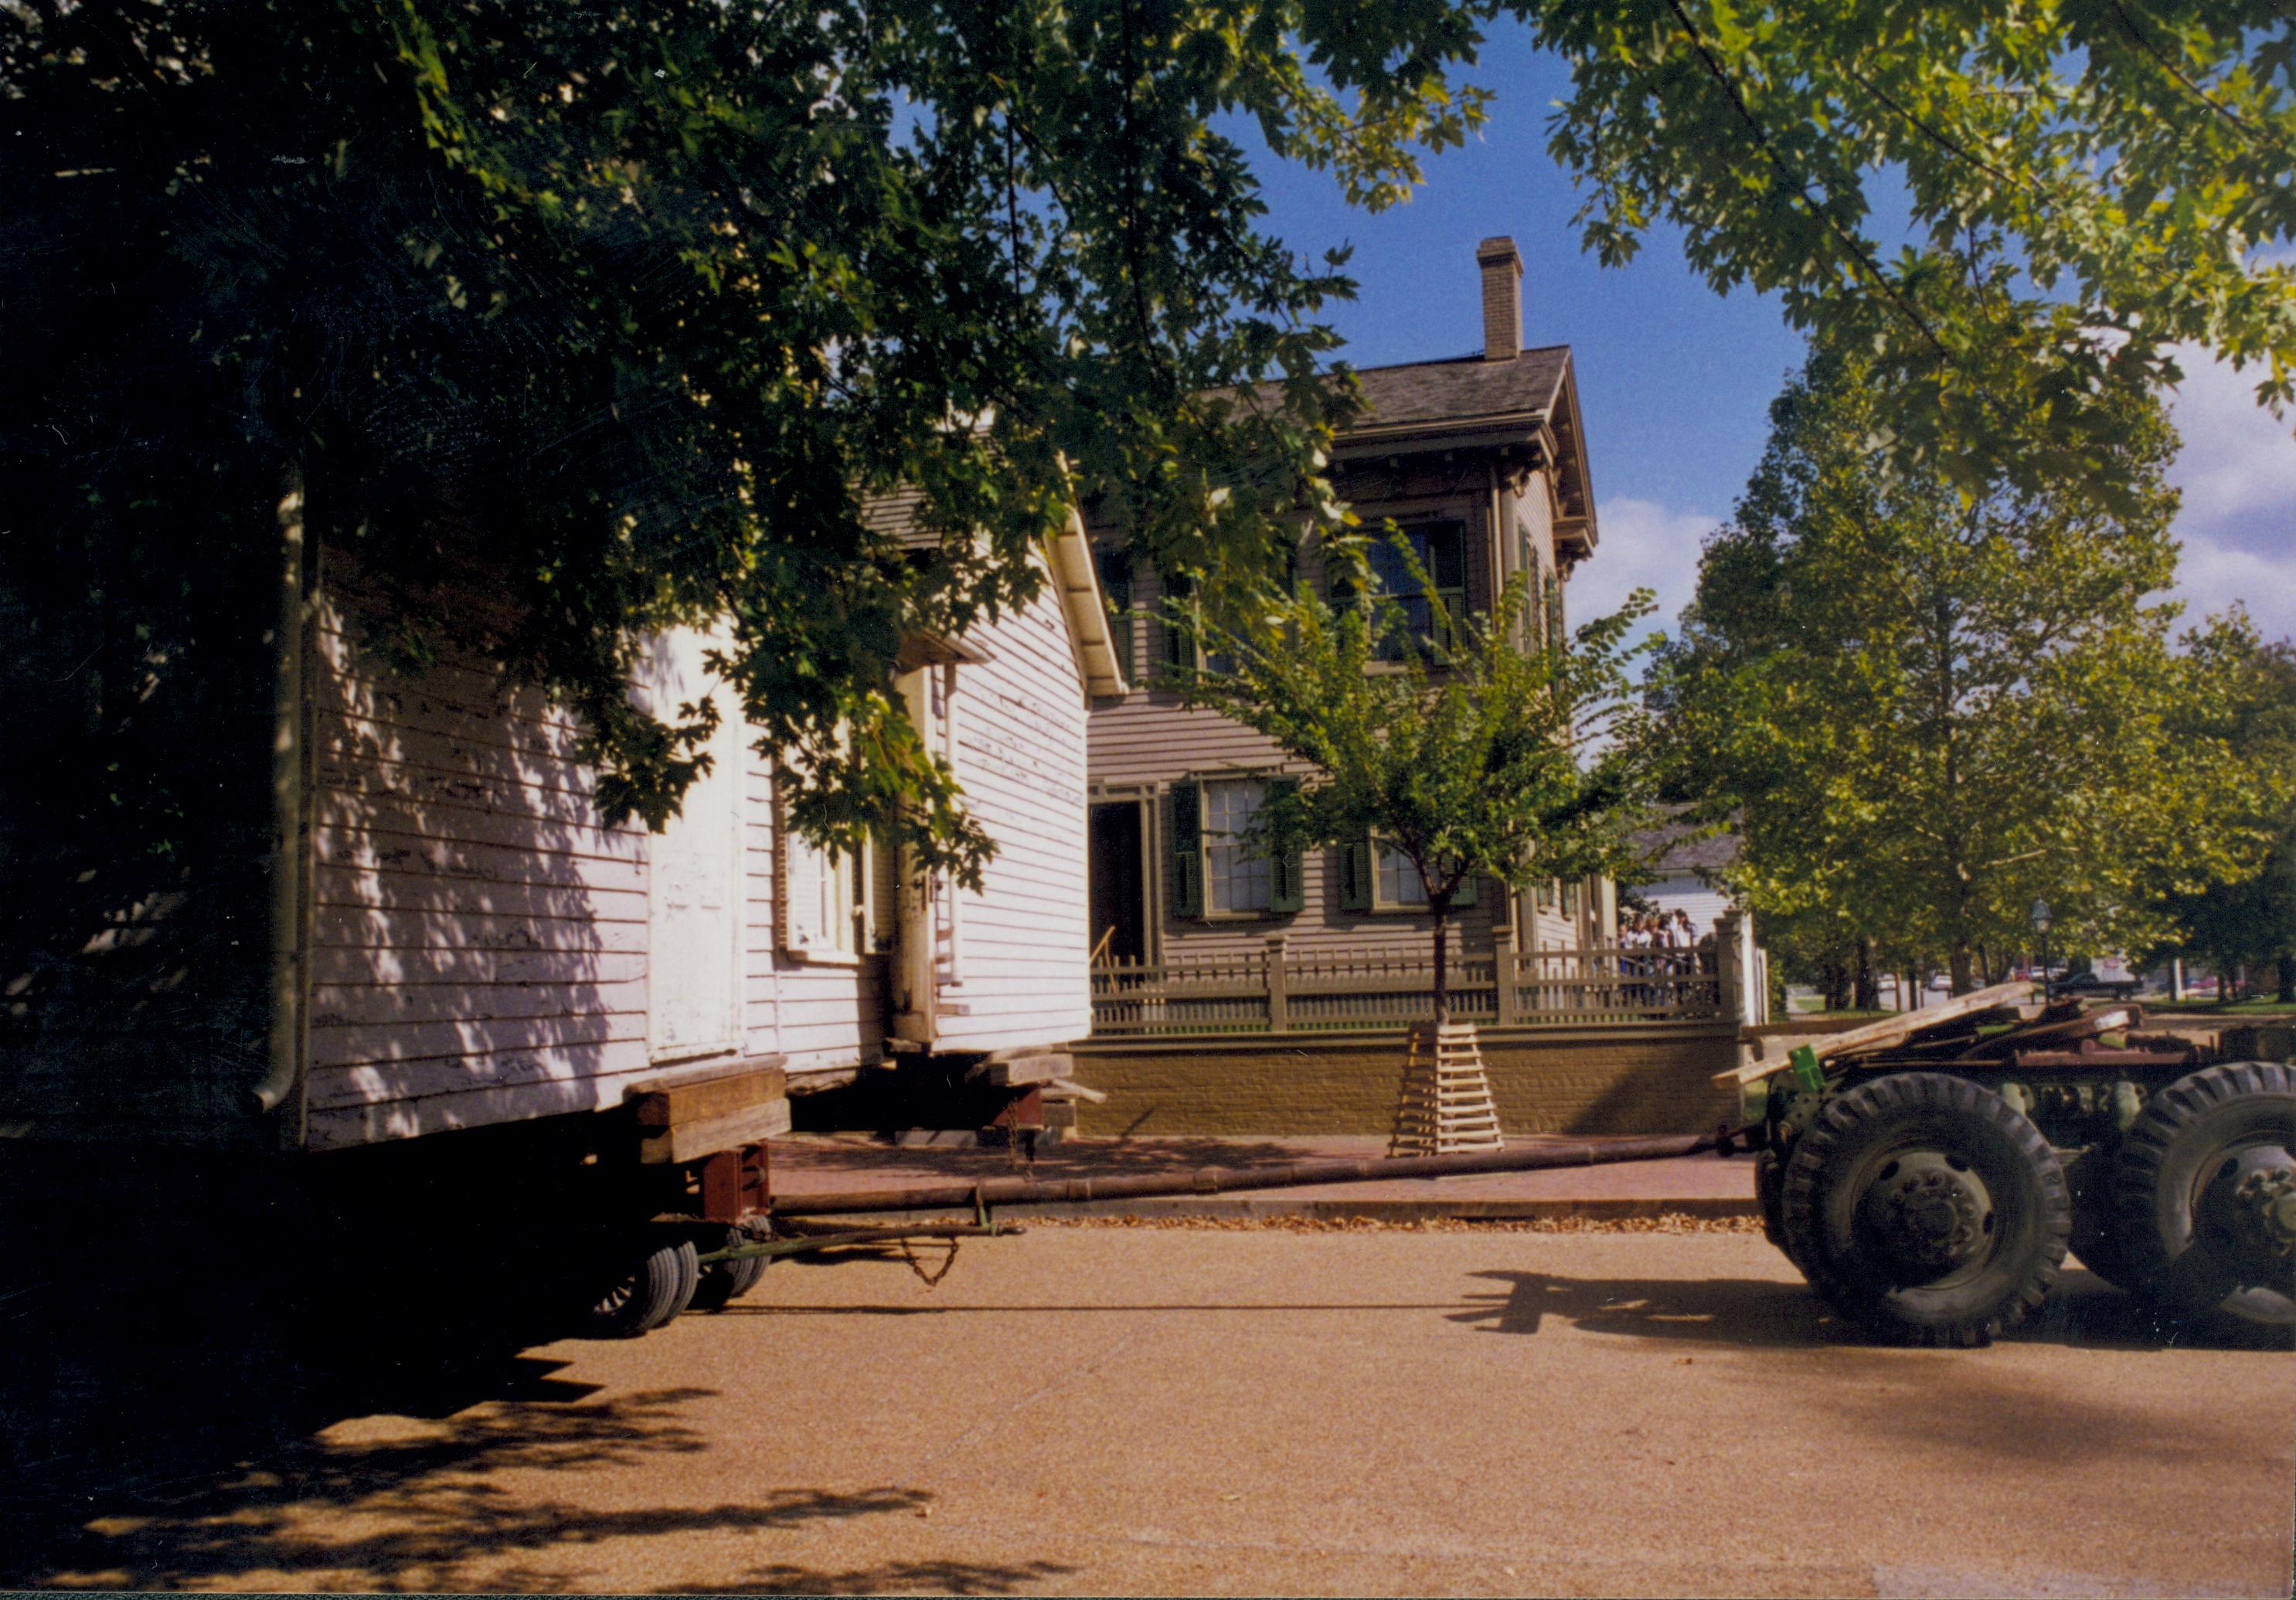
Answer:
(821, 896)
(1236, 878)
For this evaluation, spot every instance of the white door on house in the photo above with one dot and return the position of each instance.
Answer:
(695, 886)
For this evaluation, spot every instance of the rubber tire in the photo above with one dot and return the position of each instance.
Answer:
(2181, 1132)
(1769, 1192)
(1927, 1110)
(659, 1284)
(726, 1282)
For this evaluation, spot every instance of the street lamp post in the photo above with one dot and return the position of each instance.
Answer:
(2041, 920)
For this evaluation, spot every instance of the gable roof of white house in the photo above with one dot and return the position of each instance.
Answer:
(1073, 574)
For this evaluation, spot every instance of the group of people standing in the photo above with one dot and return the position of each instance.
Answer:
(1660, 945)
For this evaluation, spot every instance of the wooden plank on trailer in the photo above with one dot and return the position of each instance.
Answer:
(1022, 1070)
(690, 1141)
(1887, 1030)
(738, 1085)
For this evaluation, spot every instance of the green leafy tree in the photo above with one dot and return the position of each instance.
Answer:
(1459, 742)
(625, 311)
(1852, 158)
(631, 307)
(2250, 919)
(1932, 708)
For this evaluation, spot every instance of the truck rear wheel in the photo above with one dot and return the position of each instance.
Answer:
(2205, 1191)
(1927, 1208)
(657, 1286)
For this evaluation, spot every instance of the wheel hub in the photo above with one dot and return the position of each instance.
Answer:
(2267, 1195)
(1929, 1214)
(2245, 1216)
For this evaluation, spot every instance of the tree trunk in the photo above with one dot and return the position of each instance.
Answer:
(1442, 907)
(1834, 979)
(2288, 980)
(1867, 990)
(1961, 967)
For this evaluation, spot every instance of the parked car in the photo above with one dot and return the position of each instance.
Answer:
(2091, 983)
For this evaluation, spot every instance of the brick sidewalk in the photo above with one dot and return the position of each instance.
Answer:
(1702, 1186)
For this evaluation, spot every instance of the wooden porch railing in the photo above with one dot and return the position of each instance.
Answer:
(1275, 990)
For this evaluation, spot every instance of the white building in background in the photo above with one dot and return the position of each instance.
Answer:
(1682, 867)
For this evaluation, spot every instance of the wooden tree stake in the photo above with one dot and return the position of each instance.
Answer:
(1445, 1104)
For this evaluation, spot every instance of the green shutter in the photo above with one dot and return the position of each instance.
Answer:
(1187, 850)
(1287, 875)
(1179, 646)
(1355, 877)
(1463, 895)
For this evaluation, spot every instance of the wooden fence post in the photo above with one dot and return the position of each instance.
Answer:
(1503, 971)
(1279, 1002)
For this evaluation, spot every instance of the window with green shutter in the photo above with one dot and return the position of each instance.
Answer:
(1394, 883)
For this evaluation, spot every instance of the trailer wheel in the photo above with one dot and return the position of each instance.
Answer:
(2205, 1190)
(658, 1284)
(726, 1282)
(1927, 1208)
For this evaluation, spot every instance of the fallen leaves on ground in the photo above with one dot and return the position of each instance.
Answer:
(1671, 1222)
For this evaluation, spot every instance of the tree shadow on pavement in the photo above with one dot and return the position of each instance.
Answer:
(2083, 1313)
(892, 1578)
(206, 1399)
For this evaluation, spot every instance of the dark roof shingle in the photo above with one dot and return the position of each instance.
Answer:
(1462, 387)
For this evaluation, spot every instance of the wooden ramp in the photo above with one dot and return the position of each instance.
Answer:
(1445, 1104)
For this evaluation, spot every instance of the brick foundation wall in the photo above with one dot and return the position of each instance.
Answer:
(1610, 1080)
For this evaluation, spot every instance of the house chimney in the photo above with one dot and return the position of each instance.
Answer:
(1502, 298)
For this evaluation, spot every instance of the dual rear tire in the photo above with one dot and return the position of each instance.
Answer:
(1928, 1208)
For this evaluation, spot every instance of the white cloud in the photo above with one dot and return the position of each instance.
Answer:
(2214, 576)
(2237, 470)
(2238, 460)
(1643, 545)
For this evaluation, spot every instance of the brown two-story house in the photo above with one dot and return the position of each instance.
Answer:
(1481, 461)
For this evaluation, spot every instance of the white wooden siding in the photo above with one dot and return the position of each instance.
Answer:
(1705, 903)
(1020, 756)
(480, 936)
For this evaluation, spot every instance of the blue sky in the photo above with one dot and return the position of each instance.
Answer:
(1676, 380)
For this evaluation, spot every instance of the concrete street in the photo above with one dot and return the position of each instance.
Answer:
(1090, 1410)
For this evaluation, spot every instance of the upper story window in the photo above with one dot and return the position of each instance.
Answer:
(1442, 548)
(1184, 647)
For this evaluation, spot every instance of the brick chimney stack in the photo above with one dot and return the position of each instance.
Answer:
(1502, 298)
